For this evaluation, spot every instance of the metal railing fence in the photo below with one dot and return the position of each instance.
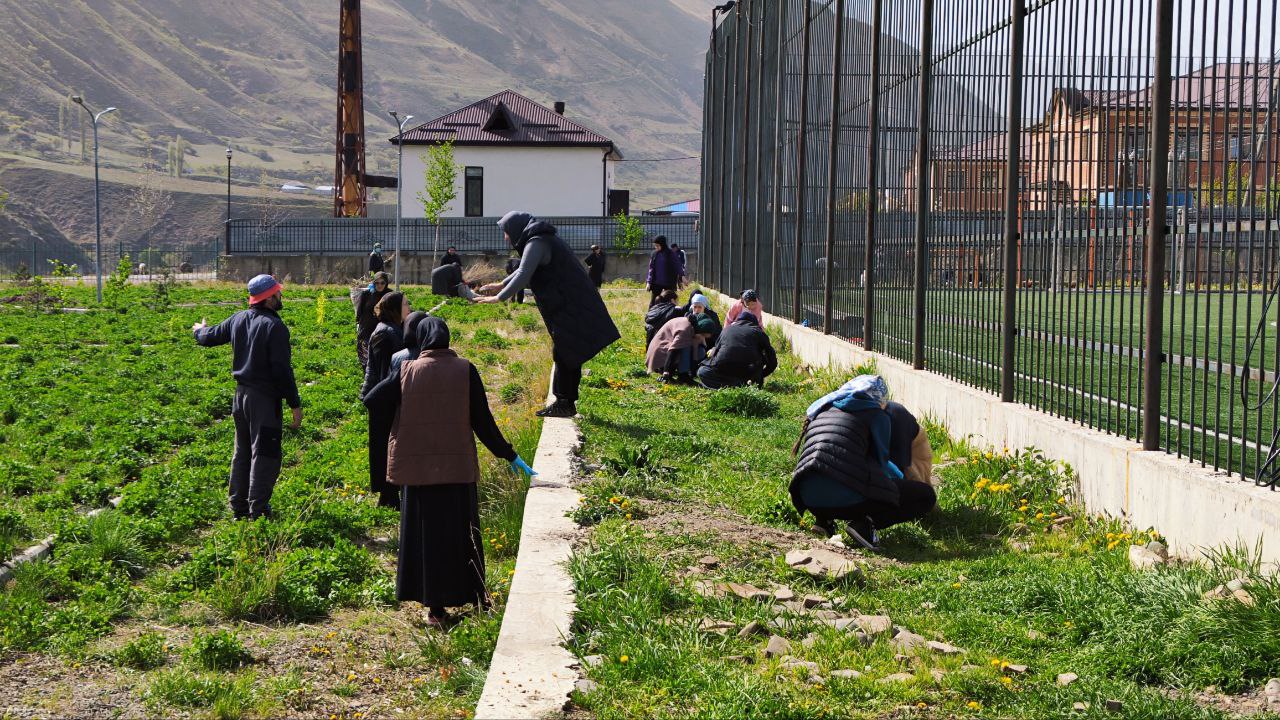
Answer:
(973, 187)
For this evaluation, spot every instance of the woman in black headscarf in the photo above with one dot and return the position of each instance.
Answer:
(442, 408)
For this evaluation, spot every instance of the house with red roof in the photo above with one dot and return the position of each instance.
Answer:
(513, 153)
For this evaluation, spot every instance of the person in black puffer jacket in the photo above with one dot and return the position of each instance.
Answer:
(845, 468)
(742, 355)
(661, 312)
(387, 340)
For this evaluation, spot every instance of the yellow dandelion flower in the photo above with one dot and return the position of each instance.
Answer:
(623, 659)
(922, 705)
(628, 516)
(1039, 515)
(377, 681)
(995, 662)
(957, 585)
(351, 676)
(1062, 500)
(1006, 680)
(974, 705)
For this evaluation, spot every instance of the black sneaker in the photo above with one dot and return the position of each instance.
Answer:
(558, 409)
(864, 533)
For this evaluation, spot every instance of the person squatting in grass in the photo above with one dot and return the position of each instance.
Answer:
(387, 340)
(742, 355)
(750, 300)
(571, 307)
(366, 319)
(682, 343)
(661, 311)
(863, 460)
(442, 409)
(261, 363)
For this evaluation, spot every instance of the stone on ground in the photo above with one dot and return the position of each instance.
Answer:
(1114, 706)
(1143, 559)
(751, 628)
(749, 592)
(1065, 679)
(1015, 669)
(813, 601)
(897, 677)
(1080, 706)
(720, 627)
(873, 625)
(1272, 693)
(944, 648)
(845, 674)
(822, 562)
(585, 686)
(709, 562)
(777, 646)
(784, 594)
(593, 660)
(907, 641)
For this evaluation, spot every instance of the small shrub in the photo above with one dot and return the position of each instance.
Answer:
(484, 337)
(511, 393)
(745, 401)
(526, 322)
(183, 688)
(145, 652)
(218, 650)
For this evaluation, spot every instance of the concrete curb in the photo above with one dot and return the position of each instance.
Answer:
(1194, 507)
(532, 674)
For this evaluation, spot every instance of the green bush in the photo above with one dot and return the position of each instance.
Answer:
(745, 401)
(218, 650)
(511, 393)
(484, 337)
(145, 652)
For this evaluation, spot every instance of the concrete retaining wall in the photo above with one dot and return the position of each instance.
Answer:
(1194, 507)
(532, 673)
(416, 269)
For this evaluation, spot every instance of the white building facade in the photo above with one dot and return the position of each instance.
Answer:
(514, 154)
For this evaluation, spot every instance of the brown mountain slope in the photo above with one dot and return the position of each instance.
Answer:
(260, 73)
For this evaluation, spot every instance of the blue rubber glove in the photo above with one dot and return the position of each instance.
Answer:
(519, 465)
(894, 472)
(370, 287)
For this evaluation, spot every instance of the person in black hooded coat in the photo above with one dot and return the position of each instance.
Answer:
(742, 355)
(387, 340)
(571, 307)
(662, 311)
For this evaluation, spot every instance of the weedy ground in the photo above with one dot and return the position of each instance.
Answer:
(681, 492)
(165, 607)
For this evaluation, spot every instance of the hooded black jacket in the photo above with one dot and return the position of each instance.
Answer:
(658, 315)
(571, 307)
(743, 351)
(838, 444)
(387, 340)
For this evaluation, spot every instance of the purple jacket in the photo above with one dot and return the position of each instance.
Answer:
(664, 269)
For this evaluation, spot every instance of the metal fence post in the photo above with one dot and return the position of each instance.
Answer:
(743, 145)
(873, 187)
(1157, 226)
(802, 166)
(833, 152)
(1013, 173)
(759, 166)
(775, 195)
(922, 182)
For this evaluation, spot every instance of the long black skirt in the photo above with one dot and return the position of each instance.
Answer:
(379, 437)
(441, 560)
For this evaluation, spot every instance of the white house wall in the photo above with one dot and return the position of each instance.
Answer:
(544, 181)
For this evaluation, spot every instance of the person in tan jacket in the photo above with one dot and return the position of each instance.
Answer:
(442, 409)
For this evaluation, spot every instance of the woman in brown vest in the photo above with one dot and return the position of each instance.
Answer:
(432, 456)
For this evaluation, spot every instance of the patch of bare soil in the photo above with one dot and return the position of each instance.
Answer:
(360, 661)
(1247, 704)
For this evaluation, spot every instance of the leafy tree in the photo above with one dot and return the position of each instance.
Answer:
(441, 175)
(628, 235)
(1235, 188)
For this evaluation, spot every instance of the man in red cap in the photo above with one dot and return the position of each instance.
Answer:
(260, 363)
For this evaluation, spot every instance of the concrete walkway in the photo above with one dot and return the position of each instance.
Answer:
(532, 673)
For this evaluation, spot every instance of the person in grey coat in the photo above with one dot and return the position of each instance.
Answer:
(571, 308)
(261, 363)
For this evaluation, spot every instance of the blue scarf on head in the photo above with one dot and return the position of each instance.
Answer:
(864, 392)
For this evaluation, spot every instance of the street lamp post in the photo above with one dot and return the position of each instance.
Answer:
(400, 123)
(227, 229)
(97, 203)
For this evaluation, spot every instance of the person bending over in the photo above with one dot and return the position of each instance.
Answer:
(742, 355)
(845, 468)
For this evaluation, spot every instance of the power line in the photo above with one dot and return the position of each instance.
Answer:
(670, 159)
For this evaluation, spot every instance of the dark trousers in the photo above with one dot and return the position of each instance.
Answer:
(255, 464)
(565, 381)
(656, 290)
(379, 437)
(915, 500)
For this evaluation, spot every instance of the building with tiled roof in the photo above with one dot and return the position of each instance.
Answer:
(514, 153)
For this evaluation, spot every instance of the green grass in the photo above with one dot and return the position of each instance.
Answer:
(984, 572)
(138, 411)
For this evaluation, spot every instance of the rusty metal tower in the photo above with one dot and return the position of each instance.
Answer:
(350, 194)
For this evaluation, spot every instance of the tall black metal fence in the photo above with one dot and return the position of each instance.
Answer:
(973, 186)
(469, 235)
(40, 258)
